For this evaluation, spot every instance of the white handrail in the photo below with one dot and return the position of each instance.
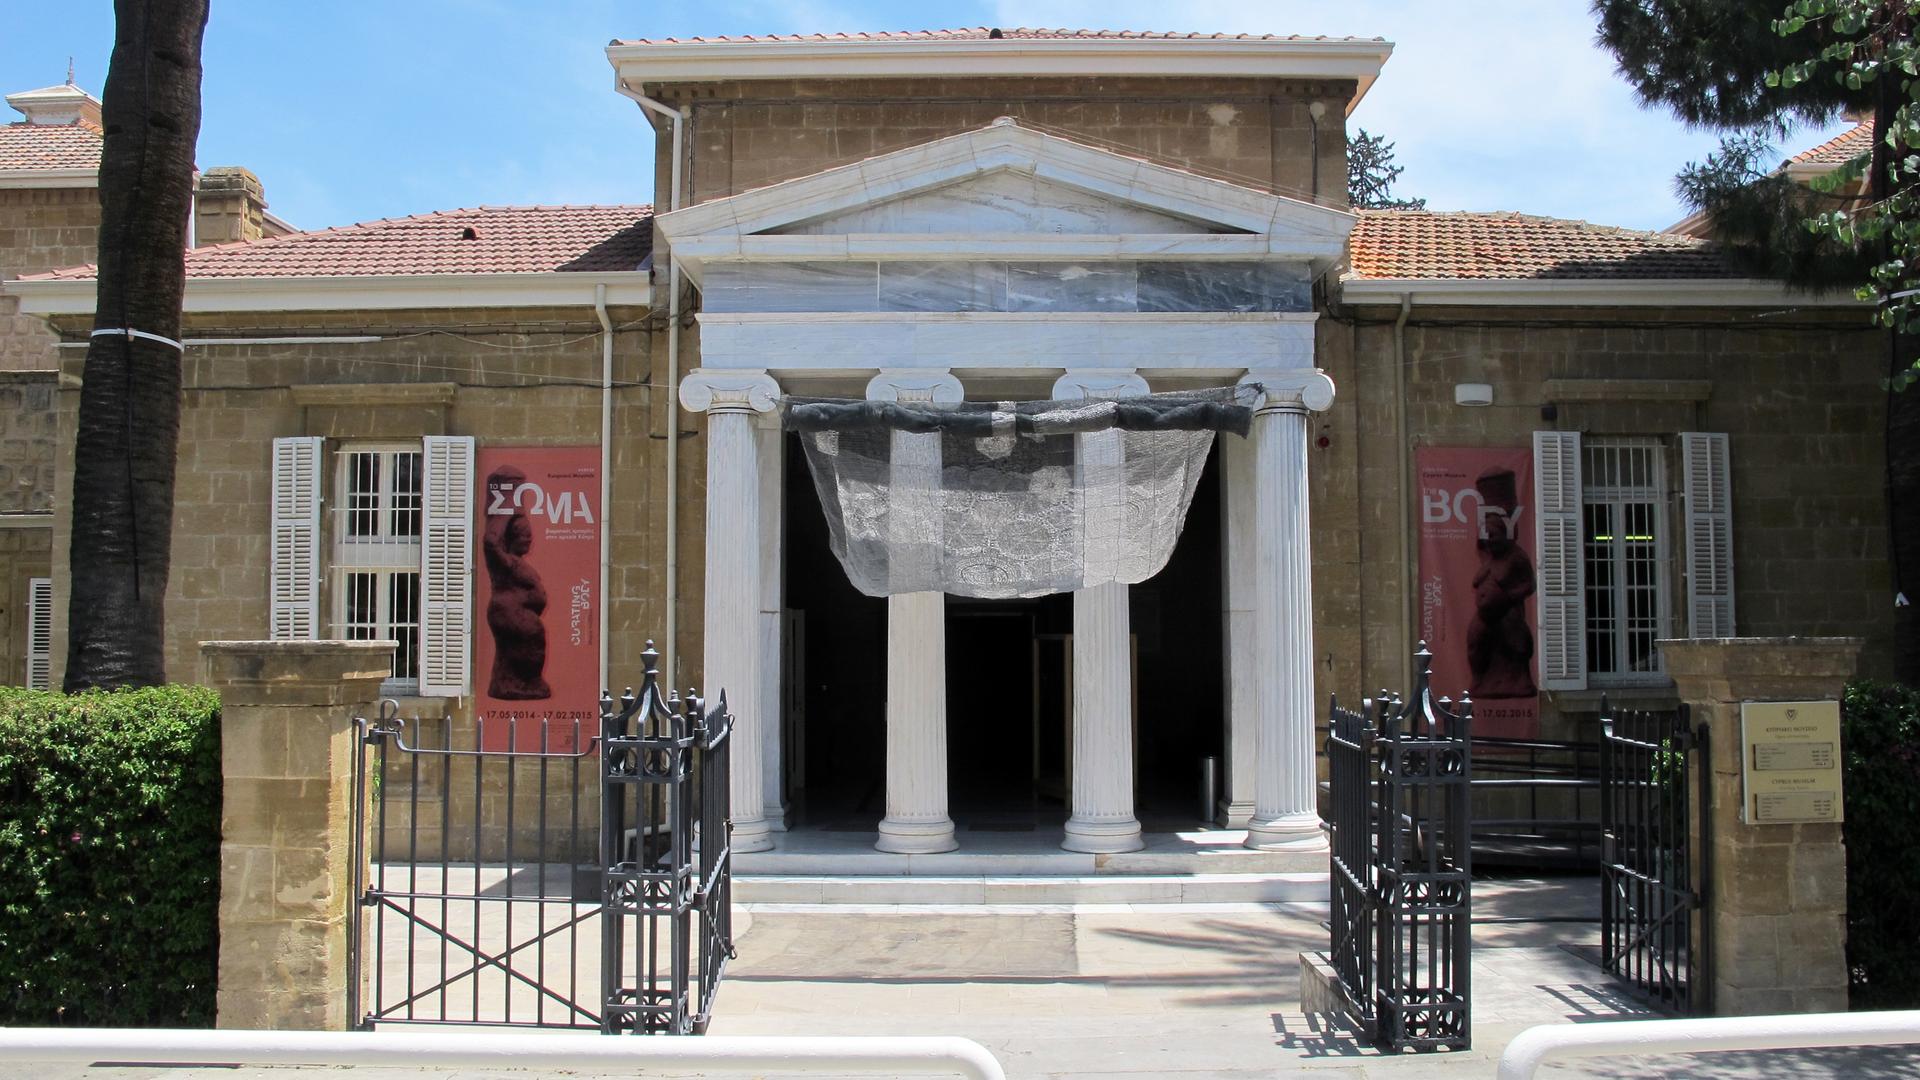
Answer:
(714, 1054)
(1535, 1045)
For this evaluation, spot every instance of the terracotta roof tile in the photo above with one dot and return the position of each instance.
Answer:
(1840, 149)
(983, 33)
(49, 146)
(480, 240)
(1429, 244)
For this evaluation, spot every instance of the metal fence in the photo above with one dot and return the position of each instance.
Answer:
(667, 931)
(1402, 863)
(544, 873)
(1651, 764)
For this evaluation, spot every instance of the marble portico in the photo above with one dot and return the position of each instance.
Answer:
(997, 263)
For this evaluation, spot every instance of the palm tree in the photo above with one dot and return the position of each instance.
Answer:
(129, 424)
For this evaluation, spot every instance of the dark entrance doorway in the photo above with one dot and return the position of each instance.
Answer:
(1009, 685)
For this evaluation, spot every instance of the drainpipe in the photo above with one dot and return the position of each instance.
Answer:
(1409, 574)
(670, 645)
(606, 467)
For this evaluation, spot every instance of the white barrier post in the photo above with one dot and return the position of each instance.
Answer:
(1534, 1046)
(713, 1054)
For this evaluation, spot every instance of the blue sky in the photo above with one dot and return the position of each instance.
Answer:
(356, 109)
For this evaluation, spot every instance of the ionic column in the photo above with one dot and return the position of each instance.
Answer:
(1285, 812)
(732, 631)
(917, 821)
(1102, 818)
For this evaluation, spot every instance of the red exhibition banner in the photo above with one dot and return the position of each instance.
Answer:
(1477, 606)
(536, 633)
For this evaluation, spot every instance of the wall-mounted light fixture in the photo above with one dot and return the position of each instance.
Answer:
(1473, 393)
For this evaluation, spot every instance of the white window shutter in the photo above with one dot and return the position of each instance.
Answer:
(294, 563)
(1557, 534)
(39, 633)
(446, 566)
(1708, 489)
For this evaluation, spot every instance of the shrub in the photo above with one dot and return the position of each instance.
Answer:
(109, 857)
(1881, 742)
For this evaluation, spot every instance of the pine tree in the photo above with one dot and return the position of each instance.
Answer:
(1371, 174)
(129, 421)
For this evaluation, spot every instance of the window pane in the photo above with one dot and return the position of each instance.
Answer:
(362, 500)
(404, 624)
(1601, 616)
(362, 618)
(405, 514)
(1642, 560)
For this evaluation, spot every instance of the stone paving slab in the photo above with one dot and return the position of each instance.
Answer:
(1195, 992)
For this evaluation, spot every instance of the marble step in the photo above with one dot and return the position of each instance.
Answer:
(1033, 889)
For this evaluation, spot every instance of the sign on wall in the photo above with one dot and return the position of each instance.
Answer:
(537, 594)
(1477, 608)
(1790, 761)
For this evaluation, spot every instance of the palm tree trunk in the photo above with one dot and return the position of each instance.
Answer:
(129, 423)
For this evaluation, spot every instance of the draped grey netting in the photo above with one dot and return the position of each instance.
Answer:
(1006, 499)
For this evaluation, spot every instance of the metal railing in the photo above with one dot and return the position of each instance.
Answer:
(1536, 1046)
(1401, 904)
(729, 1055)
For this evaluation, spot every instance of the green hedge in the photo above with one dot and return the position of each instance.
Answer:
(109, 857)
(1881, 741)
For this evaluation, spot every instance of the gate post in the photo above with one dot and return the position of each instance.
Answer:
(286, 760)
(1775, 894)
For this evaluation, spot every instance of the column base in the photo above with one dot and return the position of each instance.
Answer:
(1234, 814)
(754, 835)
(916, 837)
(1103, 837)
(1288, 832)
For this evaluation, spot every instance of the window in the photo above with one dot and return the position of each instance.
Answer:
(1605, 546)
(1623, 498)
(399, 532)
(376, 554)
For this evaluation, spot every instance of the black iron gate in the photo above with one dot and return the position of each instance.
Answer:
(1402, 865)
(1653, 930)
(557, 873)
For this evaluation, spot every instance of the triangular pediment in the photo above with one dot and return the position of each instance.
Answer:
(1002, 201)
(1003, 180)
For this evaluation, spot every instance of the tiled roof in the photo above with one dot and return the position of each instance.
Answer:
(49, 146)
(983, 33)
(1429, 244)
(481, 240)
(1840, 149)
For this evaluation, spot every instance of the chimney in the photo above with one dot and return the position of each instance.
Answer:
(63, 104)
(228, 206)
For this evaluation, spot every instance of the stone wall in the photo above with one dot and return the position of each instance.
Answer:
(1798, 395)
(40, 231)
(520, 377)
(1255, 132)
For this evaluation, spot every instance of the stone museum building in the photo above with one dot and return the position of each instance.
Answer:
(1265, 413)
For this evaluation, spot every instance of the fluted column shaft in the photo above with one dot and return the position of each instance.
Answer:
(1285, 813)
(916, 821)
(733, 609)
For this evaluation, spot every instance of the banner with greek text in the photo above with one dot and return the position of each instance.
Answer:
(536, 632)
(1477, 608)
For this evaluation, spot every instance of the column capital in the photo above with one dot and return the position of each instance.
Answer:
(1294, 389)
(708, 390)
(915, 384)
(1080, 383)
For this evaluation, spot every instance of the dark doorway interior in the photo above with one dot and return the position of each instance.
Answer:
(1008, 698)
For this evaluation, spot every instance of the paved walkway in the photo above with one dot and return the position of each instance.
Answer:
(1191, 992)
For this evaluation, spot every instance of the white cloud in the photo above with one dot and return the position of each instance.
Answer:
(1499, 104)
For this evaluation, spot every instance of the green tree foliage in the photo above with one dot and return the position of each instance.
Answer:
(109, 857)
(1880, 746)
(1868, 47)
(1371, 174)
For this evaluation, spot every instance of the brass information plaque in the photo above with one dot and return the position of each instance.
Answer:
(1790, 761)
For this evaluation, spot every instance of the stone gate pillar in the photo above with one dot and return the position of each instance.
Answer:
(286, 824)
(1776, 893)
